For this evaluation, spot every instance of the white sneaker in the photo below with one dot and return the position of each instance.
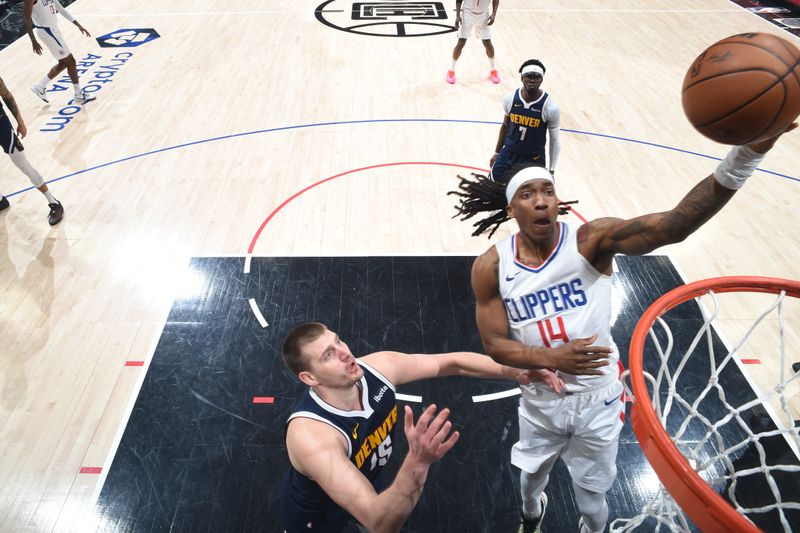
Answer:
(41, 93)
(83, 98)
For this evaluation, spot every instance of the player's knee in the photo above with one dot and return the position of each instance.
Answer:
(589, 502)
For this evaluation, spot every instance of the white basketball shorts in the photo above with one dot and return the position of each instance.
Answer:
(582, 428)
(474, 21)
(51, 37)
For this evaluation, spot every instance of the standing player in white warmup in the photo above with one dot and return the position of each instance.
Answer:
(473, 16)
(550, 284)
(41, 20)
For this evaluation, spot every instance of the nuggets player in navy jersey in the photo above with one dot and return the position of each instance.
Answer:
(531, 115)
(10, 140)
(340, 435)
(549, 286)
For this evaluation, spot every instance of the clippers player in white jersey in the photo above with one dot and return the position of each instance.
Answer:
(10, 141)
(40, 18)
(546, 291)
(473, 16)
(340, 436)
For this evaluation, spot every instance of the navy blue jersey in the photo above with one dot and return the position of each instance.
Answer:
(8, 135)
(527, 131)
(369, 435)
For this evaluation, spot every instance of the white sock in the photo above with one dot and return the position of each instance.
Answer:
(491, 62)
(43, 82)
(50, 198)
(453, 68)
(77, 87)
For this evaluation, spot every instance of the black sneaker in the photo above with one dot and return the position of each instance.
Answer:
(4, 203)
(532, 526)
(56, 213)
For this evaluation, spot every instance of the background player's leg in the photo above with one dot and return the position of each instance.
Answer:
(72, 70)
(451, 74)
(21, 161)
(487, 44)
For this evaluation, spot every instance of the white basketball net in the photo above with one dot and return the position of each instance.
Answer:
(713, 440)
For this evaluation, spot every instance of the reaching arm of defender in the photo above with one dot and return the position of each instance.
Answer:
(600, 239)
(319, 452)
(575, 357)
(400, 368)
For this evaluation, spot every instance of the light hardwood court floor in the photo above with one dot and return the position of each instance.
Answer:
(144, 194)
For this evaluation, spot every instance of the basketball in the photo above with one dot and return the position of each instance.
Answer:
(743, 89)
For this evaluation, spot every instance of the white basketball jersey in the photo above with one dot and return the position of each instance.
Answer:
(45, 13)
(561, 300)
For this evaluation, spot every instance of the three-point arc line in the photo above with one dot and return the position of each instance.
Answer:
(260, 317)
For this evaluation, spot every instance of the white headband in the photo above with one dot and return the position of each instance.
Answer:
(525, 175)
(533, 68)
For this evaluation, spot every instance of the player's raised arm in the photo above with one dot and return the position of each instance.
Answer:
(601, 239)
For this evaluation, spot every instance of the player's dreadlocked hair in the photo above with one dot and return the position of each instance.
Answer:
(486, 195)
(480, 195)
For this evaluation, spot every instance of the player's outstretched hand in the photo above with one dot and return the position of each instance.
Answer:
(764, 146)
(37, 48)
(430, 438)
(548, 377)
(580, 356)
(22, 130)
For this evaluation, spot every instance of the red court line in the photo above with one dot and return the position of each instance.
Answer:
(750, 361)
(91, 469)
(263, 399)
(134, 363)
(371, 167)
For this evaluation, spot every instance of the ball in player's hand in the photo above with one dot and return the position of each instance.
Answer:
(744, 88)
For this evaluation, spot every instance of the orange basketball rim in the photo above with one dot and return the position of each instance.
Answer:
(707, 509)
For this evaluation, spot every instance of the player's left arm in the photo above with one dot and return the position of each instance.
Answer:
(495, 5)
(67, 15)
(600, 239)
(12, 106)
(27, 22)
(554, 133)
